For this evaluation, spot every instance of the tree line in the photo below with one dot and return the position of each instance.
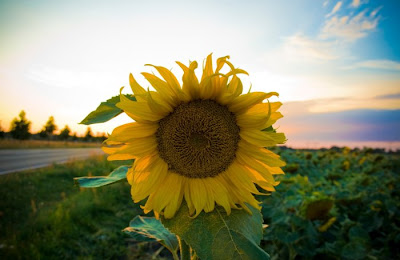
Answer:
(20, 129)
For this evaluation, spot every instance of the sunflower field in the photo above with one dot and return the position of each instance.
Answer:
(335, 204)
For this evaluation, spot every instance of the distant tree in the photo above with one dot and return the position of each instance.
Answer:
(2, 133)
(88, 135)
(74, 137)
(43, 134)
(64, 134)
(102, 137)
(20, 128)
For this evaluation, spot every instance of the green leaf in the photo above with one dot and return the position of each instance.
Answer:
(215, 235)
(269, 129)
(105, 111)
(151, 229)
(98, 181)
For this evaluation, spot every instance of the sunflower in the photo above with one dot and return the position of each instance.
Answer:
(202, 142)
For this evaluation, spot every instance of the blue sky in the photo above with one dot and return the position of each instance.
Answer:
(64, 58)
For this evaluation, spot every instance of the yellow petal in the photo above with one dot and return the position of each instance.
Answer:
(129, 131)
(231, 91)
(221, 62)
(246, 101)
(140, 147)
(233, 72)
(197, 194)
(257, 166)
(240, 178)
(143, 164)
(190, 82)
(129, 175)
(188, 199)
(261, 154)
(158, 108)
(136, 88)
(272, 119)
(146, 183)
(139, 111)
(166, 93)
(176, 190)
(208, 68)
(210, 202)
(208, 86)
(120, 157)
(261, 138)
(258, 115)
(220, 193)
(172, 82)
(165, 193)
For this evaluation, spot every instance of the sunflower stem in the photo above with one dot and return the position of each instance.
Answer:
(175, 255)
(184, 249)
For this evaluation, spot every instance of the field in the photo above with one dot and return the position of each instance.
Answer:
(331, 204)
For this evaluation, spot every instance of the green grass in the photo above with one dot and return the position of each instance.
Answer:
(44, 216)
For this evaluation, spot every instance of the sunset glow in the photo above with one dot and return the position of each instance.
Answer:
(323, 57)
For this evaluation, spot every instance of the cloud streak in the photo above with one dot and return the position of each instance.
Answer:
(376, 64)
(335, 9)
(360, 124)
(355, 3)
(350, 28)
(301, 47)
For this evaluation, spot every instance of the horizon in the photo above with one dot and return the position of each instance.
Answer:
(335, 64)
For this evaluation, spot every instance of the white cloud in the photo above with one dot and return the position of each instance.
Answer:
(355, 3)
(335, 9)
(64, 78)
(301, 47)
(373, 13)
(349, 28)
(376, 64)
(325, 3)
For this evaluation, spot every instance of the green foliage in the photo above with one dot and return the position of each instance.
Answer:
(48, 129)
(50, 126)
(151, 229)
(88, 134)
(20, 128)
(2, 133)
(215, 235)
(43, 215)
(116, 175)
(335, 204)
(105, 111)
(64, 134)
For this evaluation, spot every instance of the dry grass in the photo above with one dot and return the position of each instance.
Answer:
(31, 144)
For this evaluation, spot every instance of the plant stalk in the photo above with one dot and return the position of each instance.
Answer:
(184, 249)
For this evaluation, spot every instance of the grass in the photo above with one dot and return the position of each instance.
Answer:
(32, 144)
(43, 215)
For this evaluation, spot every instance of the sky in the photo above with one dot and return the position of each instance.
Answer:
(336, 64)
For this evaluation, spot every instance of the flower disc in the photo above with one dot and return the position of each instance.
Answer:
(198, 139)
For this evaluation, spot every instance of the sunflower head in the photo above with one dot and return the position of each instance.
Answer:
(201, 141)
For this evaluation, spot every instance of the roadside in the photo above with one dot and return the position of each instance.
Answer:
(14, 160)
(44, 216)
(37, 144)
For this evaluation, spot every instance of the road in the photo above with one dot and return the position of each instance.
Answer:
(15, 160)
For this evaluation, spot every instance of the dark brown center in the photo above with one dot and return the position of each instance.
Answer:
(198, 139)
